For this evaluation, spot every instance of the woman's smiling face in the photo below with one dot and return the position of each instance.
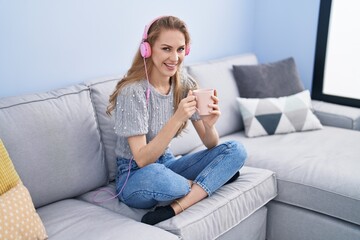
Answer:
(168, 52)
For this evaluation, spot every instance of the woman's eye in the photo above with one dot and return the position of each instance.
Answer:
(181, 49)
(166, 49)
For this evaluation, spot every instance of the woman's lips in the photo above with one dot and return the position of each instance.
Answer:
(170, 66)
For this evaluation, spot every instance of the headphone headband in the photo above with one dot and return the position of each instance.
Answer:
(147, 27)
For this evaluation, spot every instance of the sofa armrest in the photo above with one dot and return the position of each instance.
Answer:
(336, 115)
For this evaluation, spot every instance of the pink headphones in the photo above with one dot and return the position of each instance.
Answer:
(145, 48)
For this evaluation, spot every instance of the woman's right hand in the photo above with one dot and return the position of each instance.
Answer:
(186, 108)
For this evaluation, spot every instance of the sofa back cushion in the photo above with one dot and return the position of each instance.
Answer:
(219, 74)
(54, 142)
(100, 93)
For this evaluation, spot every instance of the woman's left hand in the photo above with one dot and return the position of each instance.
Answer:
(211, 119)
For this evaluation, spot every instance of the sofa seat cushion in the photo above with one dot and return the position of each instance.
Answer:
(213, 216)
(54, 143)
(317, 170)
(75, 219)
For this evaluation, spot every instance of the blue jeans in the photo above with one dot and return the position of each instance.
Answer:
(168, 178)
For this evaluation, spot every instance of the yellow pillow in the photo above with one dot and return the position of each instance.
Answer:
(18, 217)
(8, 176)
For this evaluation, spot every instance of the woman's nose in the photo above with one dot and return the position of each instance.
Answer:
(174, 56)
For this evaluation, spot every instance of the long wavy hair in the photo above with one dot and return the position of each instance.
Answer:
(137, 69)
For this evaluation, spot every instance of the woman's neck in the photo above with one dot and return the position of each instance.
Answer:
(162, 86)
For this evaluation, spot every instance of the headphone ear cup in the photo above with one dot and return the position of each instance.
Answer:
(187, 50)
(145, 49)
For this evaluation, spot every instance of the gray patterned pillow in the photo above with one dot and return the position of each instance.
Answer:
(268, 116)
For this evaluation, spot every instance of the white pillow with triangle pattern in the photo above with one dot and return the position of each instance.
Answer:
(268, 116)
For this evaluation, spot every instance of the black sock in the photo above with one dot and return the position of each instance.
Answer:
(158, 215)
(233, 178)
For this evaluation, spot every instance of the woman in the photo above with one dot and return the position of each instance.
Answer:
(152, 104)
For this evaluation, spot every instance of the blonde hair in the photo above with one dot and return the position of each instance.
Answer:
(137, 69)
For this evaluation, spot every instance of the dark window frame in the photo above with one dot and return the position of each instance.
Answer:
(320, 56)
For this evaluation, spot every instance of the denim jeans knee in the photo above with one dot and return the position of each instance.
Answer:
(239, 151)
(225, 160)
(152, 184)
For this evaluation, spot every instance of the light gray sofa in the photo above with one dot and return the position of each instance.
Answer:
(294, 186)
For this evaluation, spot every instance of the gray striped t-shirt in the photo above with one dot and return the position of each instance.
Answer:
(134, 116)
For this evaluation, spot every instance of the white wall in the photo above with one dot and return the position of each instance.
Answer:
(285, 28)
(48, 44)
